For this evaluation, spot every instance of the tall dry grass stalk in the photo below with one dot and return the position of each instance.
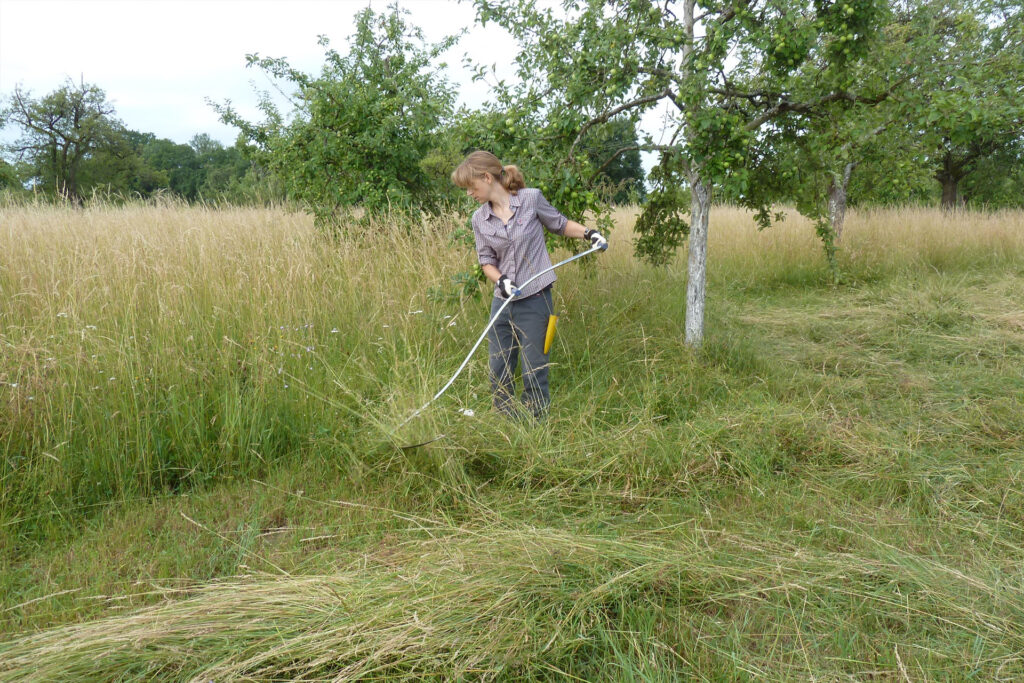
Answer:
(150, 346)
(876, 241)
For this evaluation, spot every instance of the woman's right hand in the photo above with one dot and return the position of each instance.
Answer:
(507, 287)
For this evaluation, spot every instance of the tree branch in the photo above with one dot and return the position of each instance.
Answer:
(727, 15)
(631, 148)
(617, 110)
(785, 106)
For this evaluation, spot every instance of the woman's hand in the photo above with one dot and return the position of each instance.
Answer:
(596, 239)
(507, 287)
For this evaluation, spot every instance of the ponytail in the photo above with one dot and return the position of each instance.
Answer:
(512, 179)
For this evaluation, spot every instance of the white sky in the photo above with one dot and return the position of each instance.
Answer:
(157, 60)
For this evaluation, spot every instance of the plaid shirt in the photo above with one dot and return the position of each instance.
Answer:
(517, 249)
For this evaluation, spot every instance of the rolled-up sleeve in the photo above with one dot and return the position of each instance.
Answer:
(549, 216)
(485, 253)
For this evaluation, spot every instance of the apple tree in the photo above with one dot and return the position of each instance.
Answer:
(726, 71)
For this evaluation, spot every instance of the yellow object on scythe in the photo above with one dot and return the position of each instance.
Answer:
(550, 334)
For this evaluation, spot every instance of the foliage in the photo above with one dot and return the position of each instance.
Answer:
(361, 127)
(614, 150)
(660, 227)
(58, 132)
(997, 181)
(9, 177)
(72, 146)
(976, 104)
(119, 167)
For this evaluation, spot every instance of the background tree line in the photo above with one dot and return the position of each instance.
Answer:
(72, 145)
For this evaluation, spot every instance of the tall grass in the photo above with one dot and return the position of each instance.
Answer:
(829, 489)
(156, 347)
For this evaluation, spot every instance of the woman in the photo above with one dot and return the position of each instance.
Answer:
(510, 247)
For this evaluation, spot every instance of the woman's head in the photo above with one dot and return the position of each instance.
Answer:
(481, 171)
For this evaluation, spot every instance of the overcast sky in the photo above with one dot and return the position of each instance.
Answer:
(158, 60)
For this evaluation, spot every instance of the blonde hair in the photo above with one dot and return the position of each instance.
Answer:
(480, 162)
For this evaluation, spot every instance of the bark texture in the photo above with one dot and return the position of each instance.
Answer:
(700, 205)
(837, 192)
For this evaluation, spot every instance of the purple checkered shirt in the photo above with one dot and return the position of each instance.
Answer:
(517, 249)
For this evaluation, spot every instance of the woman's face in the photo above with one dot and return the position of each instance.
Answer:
(480, 188)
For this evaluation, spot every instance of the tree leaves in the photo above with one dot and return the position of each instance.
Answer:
(360, 128)
(59, 130)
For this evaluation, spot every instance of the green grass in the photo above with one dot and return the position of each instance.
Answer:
(831, 488)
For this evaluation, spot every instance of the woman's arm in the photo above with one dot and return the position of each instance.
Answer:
(574, 229)
(491, 272)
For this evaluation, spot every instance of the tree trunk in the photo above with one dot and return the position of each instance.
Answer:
(950, 192)
(700, 205)
(837, 189)
(950, 175)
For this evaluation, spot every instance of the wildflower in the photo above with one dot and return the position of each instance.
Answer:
(62, 315)
(467, 412)
(334, 331)
(14, 385)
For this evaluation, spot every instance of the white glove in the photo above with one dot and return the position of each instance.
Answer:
(596, 239)
(507, 287)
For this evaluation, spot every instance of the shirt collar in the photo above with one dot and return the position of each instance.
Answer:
(514, 202)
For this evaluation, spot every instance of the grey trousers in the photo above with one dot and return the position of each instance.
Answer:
(519, 333)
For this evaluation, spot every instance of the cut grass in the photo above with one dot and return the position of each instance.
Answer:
(446, 601)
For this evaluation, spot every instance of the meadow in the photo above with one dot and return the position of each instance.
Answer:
(202, 473)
